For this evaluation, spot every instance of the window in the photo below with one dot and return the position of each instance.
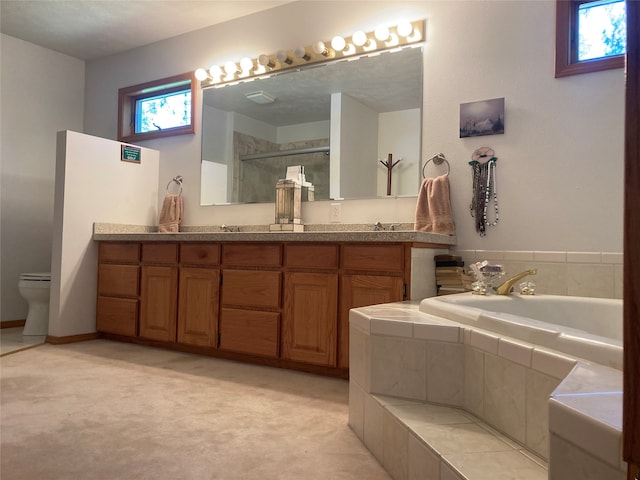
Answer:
(590, 36)
(157, 109)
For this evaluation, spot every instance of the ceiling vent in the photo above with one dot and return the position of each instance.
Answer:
(260, 97)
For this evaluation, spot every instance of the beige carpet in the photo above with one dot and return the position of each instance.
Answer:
(107, 410)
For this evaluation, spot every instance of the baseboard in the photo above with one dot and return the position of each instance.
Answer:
(70, 338)
(12, 323)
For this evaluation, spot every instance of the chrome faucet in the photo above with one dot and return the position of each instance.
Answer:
(227, 228)
(505, 287)
(377, 227)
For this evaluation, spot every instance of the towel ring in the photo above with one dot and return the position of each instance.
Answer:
(437, 159)
(177, 180)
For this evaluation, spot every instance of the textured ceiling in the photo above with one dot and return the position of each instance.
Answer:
(90, 29)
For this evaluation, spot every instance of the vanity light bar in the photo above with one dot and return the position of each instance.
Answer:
(361, 43)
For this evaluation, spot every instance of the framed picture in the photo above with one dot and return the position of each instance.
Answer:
(482, 118)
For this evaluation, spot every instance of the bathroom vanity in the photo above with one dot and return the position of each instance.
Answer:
(279, 299)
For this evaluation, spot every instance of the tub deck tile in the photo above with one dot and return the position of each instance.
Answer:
(496, 466)
(465, 446)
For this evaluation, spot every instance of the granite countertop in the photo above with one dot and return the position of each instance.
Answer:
(260, 233)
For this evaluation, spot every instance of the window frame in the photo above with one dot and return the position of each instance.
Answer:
(567, 44)
(128, 96)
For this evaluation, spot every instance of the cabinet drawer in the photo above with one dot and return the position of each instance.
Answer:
(251, 288)
(199, 254)
(311, 256)
(249, 331)
(162, 253)
(376, 258)
(252, 255)
(118, 280)
(119, 252)
(117, 315)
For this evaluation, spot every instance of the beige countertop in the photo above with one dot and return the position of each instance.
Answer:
(260, 233)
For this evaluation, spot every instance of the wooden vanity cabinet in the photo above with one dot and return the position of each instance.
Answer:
(282, 303)
(159, 291)
(118, 288)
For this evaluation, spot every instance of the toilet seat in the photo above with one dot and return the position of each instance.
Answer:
(36, 277)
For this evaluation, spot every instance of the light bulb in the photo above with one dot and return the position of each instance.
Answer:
(282, 57)
(265, 61)
(381, 32)
(246, 64)
(230, 68)
(215, 71)
(338, 43)
(359, 38)
(201, 74)
(300, 52)
(404, 28)
(320, 48)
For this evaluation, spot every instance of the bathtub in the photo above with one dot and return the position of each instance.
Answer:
(587, 328)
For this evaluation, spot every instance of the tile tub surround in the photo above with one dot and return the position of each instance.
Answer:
(545, 405)
(580, 274)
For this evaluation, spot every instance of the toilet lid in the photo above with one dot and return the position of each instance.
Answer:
(36, 277)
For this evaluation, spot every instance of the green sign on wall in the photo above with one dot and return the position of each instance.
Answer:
(130, 154)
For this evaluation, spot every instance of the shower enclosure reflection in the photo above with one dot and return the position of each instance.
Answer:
(337, 120)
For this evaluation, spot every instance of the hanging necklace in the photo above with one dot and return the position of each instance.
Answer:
(484, 187)
(491, 189)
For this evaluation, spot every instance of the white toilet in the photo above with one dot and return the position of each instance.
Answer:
(34, 288)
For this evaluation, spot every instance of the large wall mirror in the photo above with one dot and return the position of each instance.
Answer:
(337, 120)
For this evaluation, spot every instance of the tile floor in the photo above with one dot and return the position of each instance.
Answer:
(12, 340)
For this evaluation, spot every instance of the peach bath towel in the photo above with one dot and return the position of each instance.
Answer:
(433, 211)
(170, 214)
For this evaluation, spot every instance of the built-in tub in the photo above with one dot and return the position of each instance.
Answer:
(588, 328)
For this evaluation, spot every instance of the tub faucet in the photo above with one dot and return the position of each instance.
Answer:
(505, 287)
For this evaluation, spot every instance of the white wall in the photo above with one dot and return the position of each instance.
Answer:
(357, 146)
(304, 131)
(399, 133)
(42, 92)
(92, 185)
(559, 163)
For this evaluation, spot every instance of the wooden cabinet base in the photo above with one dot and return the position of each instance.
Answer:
(239, 357)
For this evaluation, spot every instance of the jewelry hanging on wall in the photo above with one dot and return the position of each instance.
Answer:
(483, 165)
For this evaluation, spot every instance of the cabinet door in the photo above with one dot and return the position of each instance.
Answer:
(251, 288)
(198, 306)
(361, 291)
(118, 252)
(249, 331)
(117, 315)
(158, 301)
(309, 322)
(118, 280)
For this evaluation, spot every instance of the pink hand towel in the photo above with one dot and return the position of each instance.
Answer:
(433, 211)
(170, 214)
